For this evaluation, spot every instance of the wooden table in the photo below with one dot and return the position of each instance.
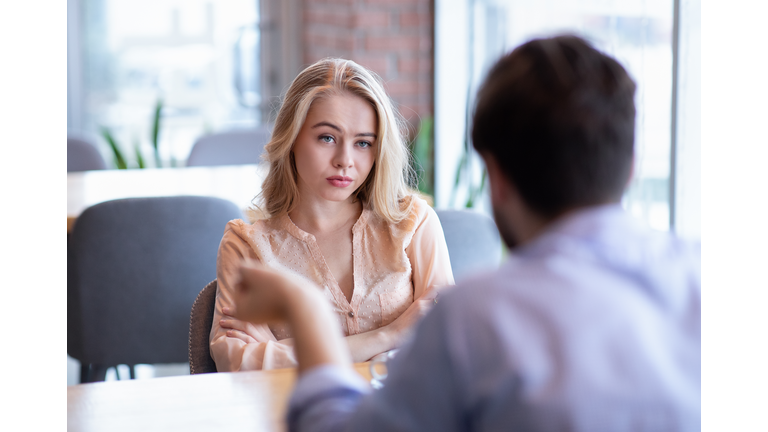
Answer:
(237, 183)
(239, 401)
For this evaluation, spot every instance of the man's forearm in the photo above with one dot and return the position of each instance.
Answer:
(317, 338)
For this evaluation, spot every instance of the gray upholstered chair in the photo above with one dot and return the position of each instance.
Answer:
(230, 148)
(200, 323)
(133, 271)
(473, 241)
(83, 156)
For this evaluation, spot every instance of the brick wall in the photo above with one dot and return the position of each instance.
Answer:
(391, 37)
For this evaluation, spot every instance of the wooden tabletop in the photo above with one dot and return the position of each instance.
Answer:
(237, 183)
(239, 401)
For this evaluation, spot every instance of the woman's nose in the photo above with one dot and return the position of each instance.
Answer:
(343, 156)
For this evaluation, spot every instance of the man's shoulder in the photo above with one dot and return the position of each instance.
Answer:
(481, 288)
(564, 280)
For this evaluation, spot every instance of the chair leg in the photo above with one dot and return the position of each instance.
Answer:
(92, 373)
(132, 371)
(84, 372)
(98, 372)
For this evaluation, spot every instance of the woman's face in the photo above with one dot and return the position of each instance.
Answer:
(336, 147)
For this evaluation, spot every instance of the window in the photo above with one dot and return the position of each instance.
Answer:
(641, 34)
(199, 58)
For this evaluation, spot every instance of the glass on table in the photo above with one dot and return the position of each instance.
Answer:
(378, 368)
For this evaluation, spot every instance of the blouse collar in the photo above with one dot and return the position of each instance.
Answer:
(285, 222)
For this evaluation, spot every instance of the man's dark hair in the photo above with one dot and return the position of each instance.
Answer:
(559, 118)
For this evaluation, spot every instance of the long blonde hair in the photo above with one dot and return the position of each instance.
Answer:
(387, 186)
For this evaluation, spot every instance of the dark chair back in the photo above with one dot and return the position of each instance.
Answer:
(200, 323)
(229, 148)
(134, 265)
(473, 241)
(83, 156)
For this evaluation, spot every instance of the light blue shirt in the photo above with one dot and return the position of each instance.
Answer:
(593, 326)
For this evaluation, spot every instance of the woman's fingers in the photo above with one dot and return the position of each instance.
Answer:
(237, 334)
(230, 322)
(431, 295)
(234, 324)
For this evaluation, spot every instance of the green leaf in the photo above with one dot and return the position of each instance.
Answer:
(139, 157)
(156, 131)
(457, 181)
(475, 191)
(423, 142)
(422, 153)
(119, 158)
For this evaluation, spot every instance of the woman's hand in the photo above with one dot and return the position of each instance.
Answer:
(403, 325)
(235, 328)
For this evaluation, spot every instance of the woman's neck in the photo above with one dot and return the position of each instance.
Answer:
(323, 217)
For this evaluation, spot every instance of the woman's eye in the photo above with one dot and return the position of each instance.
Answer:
(326, 138)
(364, 144)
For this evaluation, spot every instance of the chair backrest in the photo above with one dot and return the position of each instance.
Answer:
(135, 267)
(230, 148)
(473, 241)
(200, 323)
(83, 156)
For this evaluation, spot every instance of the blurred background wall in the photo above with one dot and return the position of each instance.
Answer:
(187, 68)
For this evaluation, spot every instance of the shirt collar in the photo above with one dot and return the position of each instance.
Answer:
(603, 225)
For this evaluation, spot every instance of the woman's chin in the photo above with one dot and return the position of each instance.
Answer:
(339, 196)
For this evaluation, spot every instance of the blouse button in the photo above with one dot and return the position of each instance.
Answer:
(351, 314)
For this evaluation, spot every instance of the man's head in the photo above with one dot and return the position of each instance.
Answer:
(558, 118)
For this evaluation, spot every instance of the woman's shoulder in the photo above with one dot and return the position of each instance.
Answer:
(256, 236)
(421, 208)
(245, 230)
(417, 211)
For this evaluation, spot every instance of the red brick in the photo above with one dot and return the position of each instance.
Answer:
(343, 40)
(319, 52)
(323, 2)
(415, 19)
(414, 113)
(408, 102)
(423, 109)
(390, 37)
(398, 43)
(369, 19)
(402, 87)
(394, 2)
(378, 64)
(328, 17)
(312, 57)
(414, 65)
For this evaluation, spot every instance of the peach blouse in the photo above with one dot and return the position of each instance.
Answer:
(393, 264)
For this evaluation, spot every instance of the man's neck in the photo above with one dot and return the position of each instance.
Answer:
(522, 225)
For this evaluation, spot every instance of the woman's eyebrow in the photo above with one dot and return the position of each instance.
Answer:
(333, 126)
(325, 123)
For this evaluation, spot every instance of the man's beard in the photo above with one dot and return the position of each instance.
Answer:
(506, 234)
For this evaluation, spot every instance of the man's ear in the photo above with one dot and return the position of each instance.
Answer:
(631, 172)
(500, 184)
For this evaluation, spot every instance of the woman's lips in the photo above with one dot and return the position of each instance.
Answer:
(340, 181)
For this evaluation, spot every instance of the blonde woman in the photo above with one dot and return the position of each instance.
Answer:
(339, 213)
